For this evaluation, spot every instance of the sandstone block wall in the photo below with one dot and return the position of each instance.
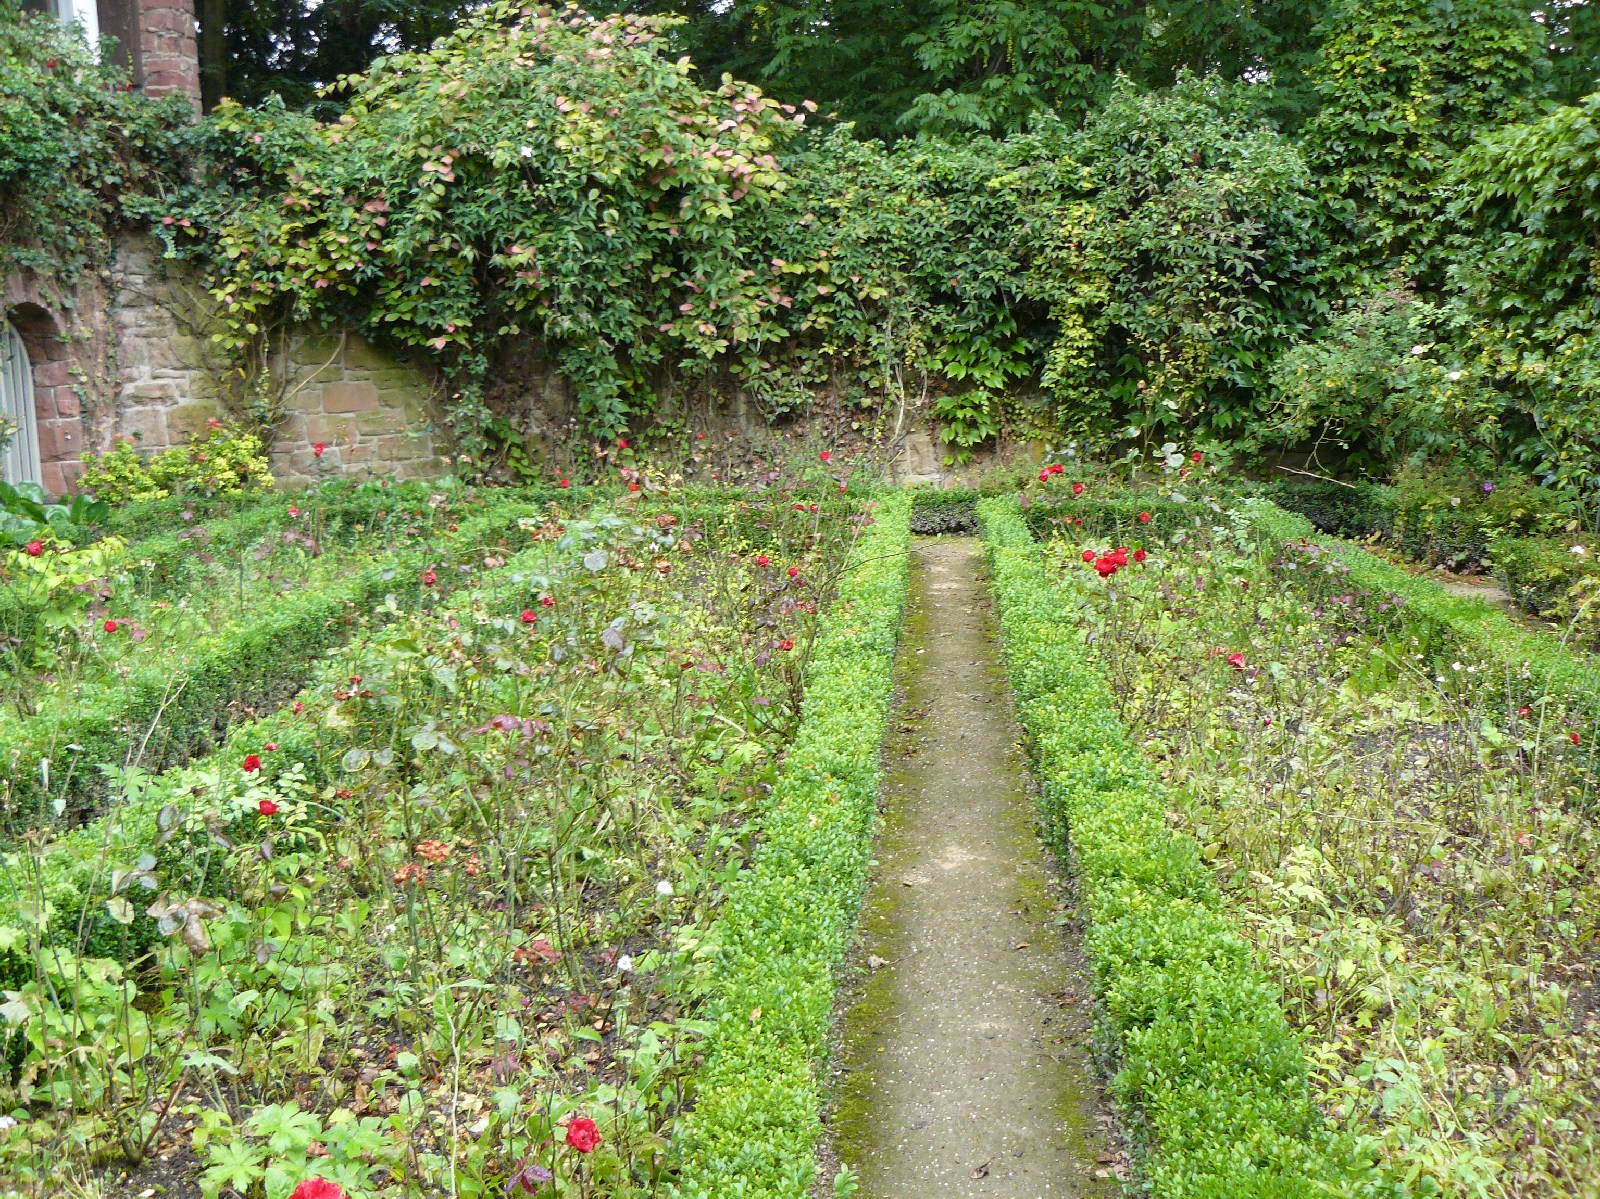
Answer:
(131, 355)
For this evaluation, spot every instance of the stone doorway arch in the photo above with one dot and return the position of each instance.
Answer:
(57, 435)
(19, 427)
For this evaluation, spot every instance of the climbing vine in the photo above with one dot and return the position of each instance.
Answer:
(78, 148)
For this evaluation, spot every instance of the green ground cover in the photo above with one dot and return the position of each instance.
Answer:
(488, 878)
(1392, 787)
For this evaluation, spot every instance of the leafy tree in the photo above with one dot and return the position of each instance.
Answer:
(1176, 243)
(1404, 85)
(293, 48)
(1526, 306)
(954, 67)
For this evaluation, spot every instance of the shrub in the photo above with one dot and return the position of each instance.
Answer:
(1548, 579)
(553, 175)
(223, 460)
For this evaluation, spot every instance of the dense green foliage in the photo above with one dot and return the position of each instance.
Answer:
(1356, 231)
(75, 143)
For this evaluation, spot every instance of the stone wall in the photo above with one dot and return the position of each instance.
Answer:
(370, 410)
(372, 413)
(130, 355)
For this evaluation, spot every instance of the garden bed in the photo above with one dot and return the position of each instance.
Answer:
(481, 884)
(1392, 788)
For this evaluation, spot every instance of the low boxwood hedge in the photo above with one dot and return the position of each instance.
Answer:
(1209, 1070)
(768, 965)
(167, 711)
(1537, 664)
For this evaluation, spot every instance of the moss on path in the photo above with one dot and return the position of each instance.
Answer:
(965, 1066)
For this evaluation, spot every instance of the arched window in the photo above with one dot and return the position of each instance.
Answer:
(19, 460)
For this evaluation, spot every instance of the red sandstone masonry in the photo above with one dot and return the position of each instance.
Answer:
(168, 49)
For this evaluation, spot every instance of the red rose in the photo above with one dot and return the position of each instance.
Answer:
(294, 511)
(529, 616)
(1196, 456)
(317, 449)
(1523, 711)
(794, 572)
(1138, 555)
(1077, 489)
(786, 644)
(251, 763)
(1236, 660)
(633, 487)
(1044, 476)
(35, 548)
(816, 507)
(429, 578)
(50, 65)
(297, 708)
(762, 559)
(583, 1134)
(1088, 555)
(547, 601)
(825, 455)
(110, 626)
(318, 1188)
(562, 483)
(271, 747)
(1574, 737)
(1144, 518)
(267, 808)
(1106, 567)
(622, 443)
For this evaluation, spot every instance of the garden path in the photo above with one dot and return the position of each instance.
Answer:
(964, 1068)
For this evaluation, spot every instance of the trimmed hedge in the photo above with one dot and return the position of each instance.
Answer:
(1540, 574)
(73, 875)
(1208, 1064)
(768, 967)
(952, 510)
(252, 663)
(1537, 661)
(1115, 516)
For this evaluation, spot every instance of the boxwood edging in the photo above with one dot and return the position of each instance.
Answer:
(768, 966)
(1551, 667)
(260, 661)
(1208, 1065)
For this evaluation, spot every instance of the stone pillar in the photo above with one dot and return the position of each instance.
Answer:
(169, 56)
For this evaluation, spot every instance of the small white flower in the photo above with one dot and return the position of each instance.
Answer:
(625, 964)
(1580, 551)
(7, 1122)
(664, 887)
(1454, 376)
(1417, 351)
(526, 151)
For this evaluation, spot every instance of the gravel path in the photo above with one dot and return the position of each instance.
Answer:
(964, 1069)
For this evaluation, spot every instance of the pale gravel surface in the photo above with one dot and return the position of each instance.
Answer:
(965, 1068)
